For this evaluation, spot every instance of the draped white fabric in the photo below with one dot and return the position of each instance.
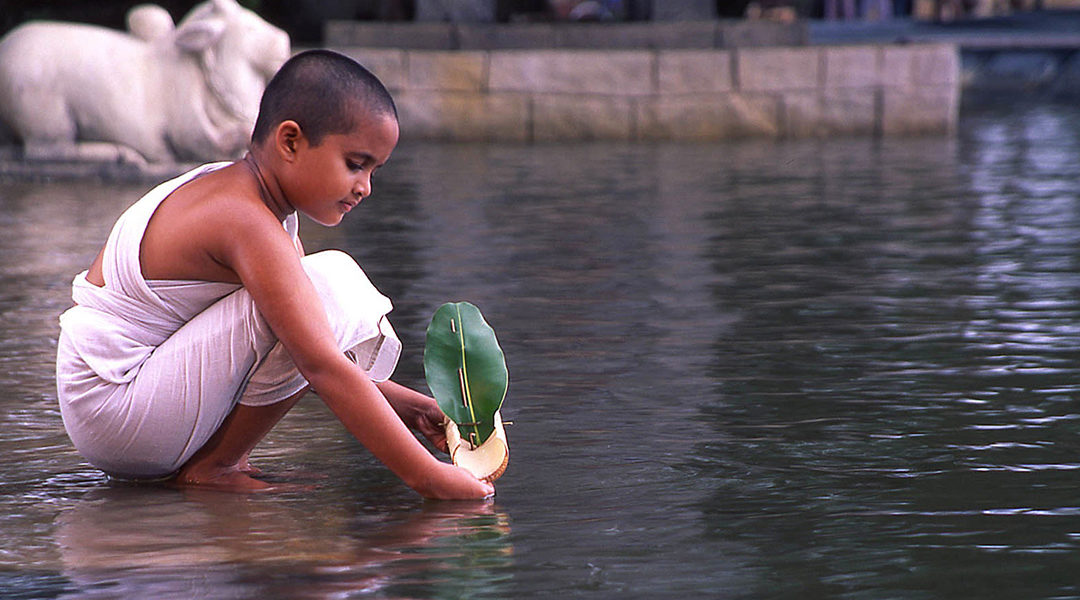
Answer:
(147, 371)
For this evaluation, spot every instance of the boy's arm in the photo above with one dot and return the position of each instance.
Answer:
(260, 252)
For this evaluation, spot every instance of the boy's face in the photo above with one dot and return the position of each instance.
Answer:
(332, 178)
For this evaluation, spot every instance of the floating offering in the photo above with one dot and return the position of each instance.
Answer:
(466, 371)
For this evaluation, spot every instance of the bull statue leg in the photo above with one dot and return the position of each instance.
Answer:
(49, 133)
(83, 152)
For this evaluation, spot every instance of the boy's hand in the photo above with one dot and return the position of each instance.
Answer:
(448, 482)
(418, 411)
(430, 423)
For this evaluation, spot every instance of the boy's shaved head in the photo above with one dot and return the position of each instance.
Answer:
(324, 92)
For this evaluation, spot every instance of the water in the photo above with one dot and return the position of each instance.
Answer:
(841, 368)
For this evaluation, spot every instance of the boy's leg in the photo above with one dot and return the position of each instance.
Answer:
(224, 357)
(180, 396)
(356, 313)
(222, 461)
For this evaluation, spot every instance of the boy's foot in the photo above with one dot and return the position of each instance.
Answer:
(227, 480)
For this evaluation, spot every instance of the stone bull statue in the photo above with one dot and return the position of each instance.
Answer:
(159, 94)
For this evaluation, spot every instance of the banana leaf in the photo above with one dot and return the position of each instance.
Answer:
(465, 369)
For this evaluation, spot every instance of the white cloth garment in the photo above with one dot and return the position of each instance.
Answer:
(146, 371)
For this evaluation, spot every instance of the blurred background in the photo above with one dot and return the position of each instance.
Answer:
(303, 19)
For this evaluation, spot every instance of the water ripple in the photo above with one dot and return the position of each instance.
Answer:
(820, 368)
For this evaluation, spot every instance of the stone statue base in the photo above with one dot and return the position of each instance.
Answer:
(14, 167)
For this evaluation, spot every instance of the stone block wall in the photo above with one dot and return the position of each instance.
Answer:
(653, 35)
(697, 94)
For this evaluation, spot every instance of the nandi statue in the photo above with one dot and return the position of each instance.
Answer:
(156, 94)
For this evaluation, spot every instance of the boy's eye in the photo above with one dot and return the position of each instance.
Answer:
(353, 166)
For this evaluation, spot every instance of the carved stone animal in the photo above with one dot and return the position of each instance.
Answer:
(162, 94)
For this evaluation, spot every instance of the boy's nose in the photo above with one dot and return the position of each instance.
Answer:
(362, 187)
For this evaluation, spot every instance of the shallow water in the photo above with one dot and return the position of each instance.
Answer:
(840, 368)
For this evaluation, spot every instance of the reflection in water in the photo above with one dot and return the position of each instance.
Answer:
(140, 542)
(799, 369)
(901, 384)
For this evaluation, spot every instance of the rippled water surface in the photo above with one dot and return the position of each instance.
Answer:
(841, 368)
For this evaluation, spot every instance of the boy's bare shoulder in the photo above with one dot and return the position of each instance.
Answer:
(221, 202)
(232, 209)
(201, 229)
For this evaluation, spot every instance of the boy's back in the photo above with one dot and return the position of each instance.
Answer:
(188, 233)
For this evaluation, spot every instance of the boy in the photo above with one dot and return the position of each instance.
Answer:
(201, 323)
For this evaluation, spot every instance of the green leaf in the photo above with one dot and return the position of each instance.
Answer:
(465, 369)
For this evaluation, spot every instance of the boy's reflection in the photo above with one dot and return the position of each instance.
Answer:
(145, 542)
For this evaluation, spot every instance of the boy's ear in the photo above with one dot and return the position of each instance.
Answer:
(288, 137)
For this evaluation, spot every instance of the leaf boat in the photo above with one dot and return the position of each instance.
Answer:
(466, 371)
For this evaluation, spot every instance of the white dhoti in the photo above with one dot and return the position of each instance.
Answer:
(143, 382)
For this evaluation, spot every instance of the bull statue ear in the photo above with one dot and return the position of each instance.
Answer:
(226, 5)
(149, 22)
(196, 36)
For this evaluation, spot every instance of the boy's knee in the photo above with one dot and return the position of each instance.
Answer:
(356, 310)
(329, 267)
(345, 291)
